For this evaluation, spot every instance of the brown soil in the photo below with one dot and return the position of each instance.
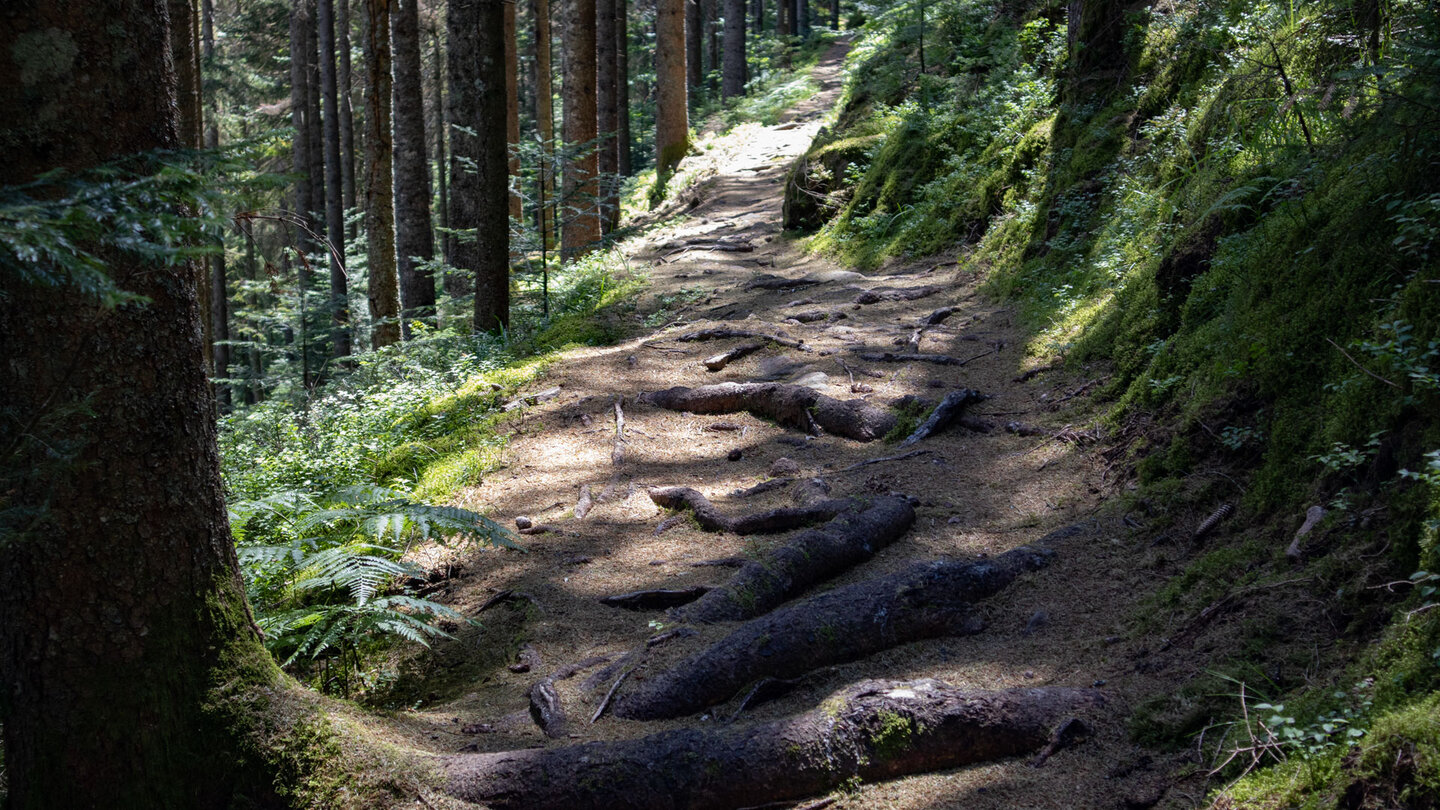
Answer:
(979, 493)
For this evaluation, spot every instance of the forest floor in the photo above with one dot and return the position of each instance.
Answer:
(980, 492)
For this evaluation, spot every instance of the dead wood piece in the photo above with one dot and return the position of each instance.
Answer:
(807, 559)
(944, 414)
(609, 696)
(541, 528)
(669, 523)
(718, 362)
(924, 601)
(507, 595)
(724, 427)
(617, 455)
(670, 635)
(657, 599)
(527, 658)
(762, 487)
(571, 670)
(880, 294)
(766, 690)
(1313, 515)
(606, 675)
(817, 315)
(725, 333)
(584, 503)
(794, 406)
(883, 459)
(531, 399)
(1036, 372)
(1064, 736)
(1025, 429)
(768, 281)
(809, 491)
(545, 709)
(775, 520)
(849, 737)
(939, 316)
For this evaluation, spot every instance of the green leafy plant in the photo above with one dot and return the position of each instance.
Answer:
(325, 571)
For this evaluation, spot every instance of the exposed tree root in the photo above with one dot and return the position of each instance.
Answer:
(720, 361)
(725, 333)
(584, 503)
(767, 281)
(775, 520)
(880, 294)
(545, 709)
(873, 730)
(762, 487)
(794, 406)
(939, 316)
(944, 413)
(817, 315)
(808, 558)
(936, 359)
(658, 599)
(924, 601)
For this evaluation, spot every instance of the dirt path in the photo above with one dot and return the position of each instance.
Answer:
(980, 492)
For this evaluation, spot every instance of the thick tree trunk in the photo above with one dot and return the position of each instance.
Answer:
(794, 406)
(607, 113)
(694, 34)
(1097, 47)
(121, 605)
(834, 15)
(734, 73)
(316, 138)
(184, 49)
(384, 293)
(872, 731)
(672, 114)
(711, 11)
(479, 193)
(334, 194)
(927, 600)
(545, 119)
(414, 240)
(804, 561)
(579, 193)
(623, 160)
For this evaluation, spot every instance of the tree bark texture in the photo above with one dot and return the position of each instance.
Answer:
(545, 118)
(512, 111)
(623, 163)
(414, 239)
(579, 192)
(927, 600)
(607, 114)
(873, 730)
(120, 597)
(794, 406)
(384, 292)
(334, 194)
(219, 336)
(479, 171)
(735, 71)
(807, 559)
(299, 113)
(316, 138)
(345, 81)
(694, 35)
(672, 114)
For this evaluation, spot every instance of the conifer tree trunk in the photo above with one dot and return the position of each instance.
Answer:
(835, 15)
(379, 195)
(299, 110)
(512, 112)
(711, 12)
(347, 109)
(316, 137)
(219, 300)
(623, 163)
(694, 73)
(414, 242)
(122, 612)
(579, 193)
(607, 113)
(334, 199)
(455, 284)
(479, 193)
(545, 118)
(672, 116)
(759, 17)
(734, 73)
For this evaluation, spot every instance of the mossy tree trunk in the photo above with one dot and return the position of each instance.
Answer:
(121, 604)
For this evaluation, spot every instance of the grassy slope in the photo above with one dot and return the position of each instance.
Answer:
(1258, 266)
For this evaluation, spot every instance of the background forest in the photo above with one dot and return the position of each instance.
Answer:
(1230, 210)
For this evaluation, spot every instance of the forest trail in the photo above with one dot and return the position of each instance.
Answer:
(981, 490)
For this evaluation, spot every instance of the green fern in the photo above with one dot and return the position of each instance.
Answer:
(322, 569)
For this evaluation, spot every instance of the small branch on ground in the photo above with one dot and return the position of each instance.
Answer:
(944, 413)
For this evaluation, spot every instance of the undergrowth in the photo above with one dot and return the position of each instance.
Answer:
(1236, 207)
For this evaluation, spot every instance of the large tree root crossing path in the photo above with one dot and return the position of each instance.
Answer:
(932, 623)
